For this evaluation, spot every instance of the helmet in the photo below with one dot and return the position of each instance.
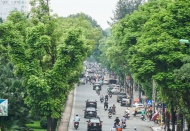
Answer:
(117, 117)
(113, 104)
(123, 116)
(76, 115)
(135, 129)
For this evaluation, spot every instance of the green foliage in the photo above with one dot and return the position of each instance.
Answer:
(147, 42)
(43, 123)
(48, 53)
(124, 7)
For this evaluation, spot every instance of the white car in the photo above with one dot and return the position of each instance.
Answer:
(115, 90)
(106, 82)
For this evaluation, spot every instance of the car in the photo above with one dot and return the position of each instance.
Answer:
(91, 103)
(97, 84)
(120, 96)
(106, 82)
(125, 102)
(90, 112)
(94, 124)
(115, 90)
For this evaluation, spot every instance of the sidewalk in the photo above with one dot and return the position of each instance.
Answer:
(65, 118)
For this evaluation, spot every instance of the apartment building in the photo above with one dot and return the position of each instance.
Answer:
(6, 6)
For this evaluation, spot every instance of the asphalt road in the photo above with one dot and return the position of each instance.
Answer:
(84, 92)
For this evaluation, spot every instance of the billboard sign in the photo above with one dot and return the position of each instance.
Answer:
(3, 107)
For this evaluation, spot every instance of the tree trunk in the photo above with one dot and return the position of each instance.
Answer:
(179, 122)
(49, 121)
(188, 127)
(54, 124)
(51, 124)
(168, 121)
(173, 119)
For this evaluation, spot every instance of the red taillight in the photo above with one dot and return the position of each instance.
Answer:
(89, 124)
(100, 124)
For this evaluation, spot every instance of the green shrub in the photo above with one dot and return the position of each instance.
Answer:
(43, 123)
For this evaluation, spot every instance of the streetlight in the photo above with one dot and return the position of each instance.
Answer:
(184, 41)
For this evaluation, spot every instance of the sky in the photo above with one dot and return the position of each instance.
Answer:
(99, 10)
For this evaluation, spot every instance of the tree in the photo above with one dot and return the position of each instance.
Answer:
(11, 84)
(124, 7)
(49, 57)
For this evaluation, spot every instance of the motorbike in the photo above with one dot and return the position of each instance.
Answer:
(142, 117)
(127, 115)
(109, 115)
(105, 108)
(110, 95)
(123, 125)
(102, 100)
(76, 125)
(98, 92)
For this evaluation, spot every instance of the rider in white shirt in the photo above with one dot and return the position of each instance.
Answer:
(123, 119)
(127, 111)
(77, 118)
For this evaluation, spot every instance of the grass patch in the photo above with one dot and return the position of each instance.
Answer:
(35, 126)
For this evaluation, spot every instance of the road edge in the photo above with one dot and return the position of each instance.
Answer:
(66, 115)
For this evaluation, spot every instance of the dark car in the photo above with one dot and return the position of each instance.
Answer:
(94, 124)
(91, 103)
(90, 112)
(120, 96)
(97, 84)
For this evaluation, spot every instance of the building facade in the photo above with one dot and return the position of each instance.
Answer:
(6, 6)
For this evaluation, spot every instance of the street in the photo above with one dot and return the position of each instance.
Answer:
(84, 92)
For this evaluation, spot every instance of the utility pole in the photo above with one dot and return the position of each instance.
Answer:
(153, 95)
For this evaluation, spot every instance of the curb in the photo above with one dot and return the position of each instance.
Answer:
(65, 117)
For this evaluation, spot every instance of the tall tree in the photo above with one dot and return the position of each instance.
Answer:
(124, 7)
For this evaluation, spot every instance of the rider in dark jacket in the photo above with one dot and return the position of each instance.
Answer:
(106, 104)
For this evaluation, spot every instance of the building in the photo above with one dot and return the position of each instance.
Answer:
(6, 6)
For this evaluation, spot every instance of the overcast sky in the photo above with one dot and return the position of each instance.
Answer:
(99, 10)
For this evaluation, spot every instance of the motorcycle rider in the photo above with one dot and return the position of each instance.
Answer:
(110, 110)
(116, 121)
(106, 97)
(105, 104)
(101, 97)
(123, 120)
(76, 119)
(113, 108)
(127, 111)
(97, 89)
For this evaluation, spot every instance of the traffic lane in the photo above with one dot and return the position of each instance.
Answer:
(84, 92)
(131, 123)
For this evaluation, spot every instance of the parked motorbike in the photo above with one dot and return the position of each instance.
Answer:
(76, 125)
(123, 125)
(109, 115)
